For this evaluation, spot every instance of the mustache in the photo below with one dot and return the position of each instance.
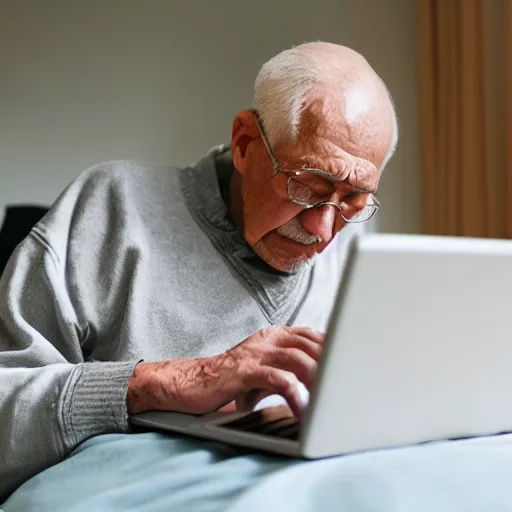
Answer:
(293, 230)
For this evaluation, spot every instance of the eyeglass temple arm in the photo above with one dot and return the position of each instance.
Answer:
(275, 163)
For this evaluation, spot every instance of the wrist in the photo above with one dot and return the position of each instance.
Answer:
(139, 397)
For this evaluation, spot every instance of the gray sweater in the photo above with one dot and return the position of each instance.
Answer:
(131, 263)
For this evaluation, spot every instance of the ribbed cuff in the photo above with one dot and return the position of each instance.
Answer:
(94, 400)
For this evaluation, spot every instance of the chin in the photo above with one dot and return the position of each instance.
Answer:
(283, 254)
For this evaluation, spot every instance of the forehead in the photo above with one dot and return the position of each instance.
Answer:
(332, 164)
(358, 173)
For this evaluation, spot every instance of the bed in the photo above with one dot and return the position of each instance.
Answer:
(156, 472)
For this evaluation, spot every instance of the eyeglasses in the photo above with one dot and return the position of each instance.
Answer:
(311, 188)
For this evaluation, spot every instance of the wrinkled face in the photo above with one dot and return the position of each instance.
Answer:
(285, 234)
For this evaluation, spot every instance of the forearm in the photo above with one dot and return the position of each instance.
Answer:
(193, 386)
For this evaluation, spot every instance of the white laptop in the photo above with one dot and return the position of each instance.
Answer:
(418, 348)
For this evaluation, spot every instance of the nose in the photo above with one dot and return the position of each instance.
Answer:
(320, 221)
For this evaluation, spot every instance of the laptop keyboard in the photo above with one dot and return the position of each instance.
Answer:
(272, 421)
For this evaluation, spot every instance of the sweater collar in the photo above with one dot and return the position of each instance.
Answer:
(278, 295)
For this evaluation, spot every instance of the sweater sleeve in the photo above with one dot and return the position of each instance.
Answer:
(50, 398)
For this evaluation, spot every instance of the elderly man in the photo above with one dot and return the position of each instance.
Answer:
(189, 289)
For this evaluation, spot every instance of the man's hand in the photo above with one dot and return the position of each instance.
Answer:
(270, 361)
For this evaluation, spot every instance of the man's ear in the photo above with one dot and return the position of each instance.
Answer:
(245, 130)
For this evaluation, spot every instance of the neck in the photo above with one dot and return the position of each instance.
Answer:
(235, 187)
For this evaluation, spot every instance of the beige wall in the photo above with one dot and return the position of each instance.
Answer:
(87, 81)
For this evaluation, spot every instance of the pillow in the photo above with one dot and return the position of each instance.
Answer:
(18, 222)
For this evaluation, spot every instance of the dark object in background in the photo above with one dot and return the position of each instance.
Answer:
(18, 222)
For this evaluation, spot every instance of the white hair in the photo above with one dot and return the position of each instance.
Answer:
(281, 92)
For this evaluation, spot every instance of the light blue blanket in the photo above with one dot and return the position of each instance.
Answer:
(154, 472)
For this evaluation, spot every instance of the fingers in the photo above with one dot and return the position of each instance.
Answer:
(312, 349)
(307, 340)
(306, 332)
(295, 361)
(280, 382)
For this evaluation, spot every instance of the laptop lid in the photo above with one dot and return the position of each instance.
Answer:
(419, 345)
